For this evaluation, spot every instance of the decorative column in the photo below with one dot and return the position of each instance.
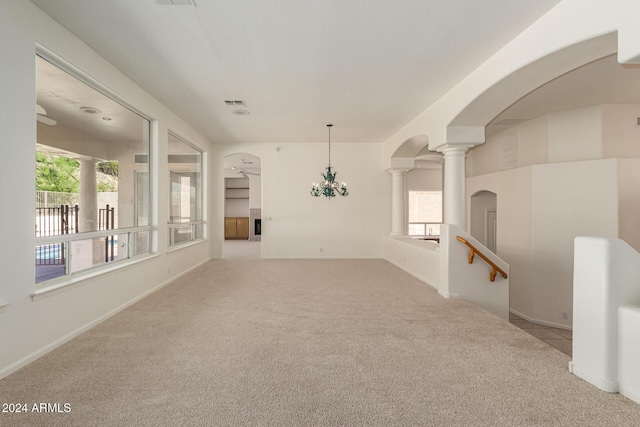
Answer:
(398, 217)
(454, 184)
(88, 215)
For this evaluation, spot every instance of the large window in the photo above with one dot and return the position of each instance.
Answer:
(92, 177)
(185, 192)
(425, 213)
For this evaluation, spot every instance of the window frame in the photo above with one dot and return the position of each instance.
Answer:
(70, 278)
(425, 224)
(193, 224)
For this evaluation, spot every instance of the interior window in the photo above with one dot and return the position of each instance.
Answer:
(185, 192)
(425, 213)
(92, 177)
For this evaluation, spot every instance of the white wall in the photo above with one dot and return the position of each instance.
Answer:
(561, 196)
(29, 328)
(297, 225)
(569, 200)
(620, 133)
(629, 202)
(424, 179)
(575, 134)
(255, 192)
(514, 229)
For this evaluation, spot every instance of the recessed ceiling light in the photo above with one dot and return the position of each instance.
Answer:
(241, 112)
(90, 110)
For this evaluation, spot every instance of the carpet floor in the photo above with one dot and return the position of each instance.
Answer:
(307, 343)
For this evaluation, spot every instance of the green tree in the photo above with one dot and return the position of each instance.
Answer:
(55, 173)
(108, 168)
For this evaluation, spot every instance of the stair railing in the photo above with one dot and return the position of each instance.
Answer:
(473, 251)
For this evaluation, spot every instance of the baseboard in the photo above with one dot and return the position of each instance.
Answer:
(541, 322)
(63, 340)
(316, 257)
(602, 383)
(629, 393)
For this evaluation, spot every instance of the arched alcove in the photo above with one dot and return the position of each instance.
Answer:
(483, 223)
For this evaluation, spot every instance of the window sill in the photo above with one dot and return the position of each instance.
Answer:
(69, 282)
(185, 245)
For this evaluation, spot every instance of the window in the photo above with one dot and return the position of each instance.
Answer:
(92, 177)
(425, 213)
(185, 192)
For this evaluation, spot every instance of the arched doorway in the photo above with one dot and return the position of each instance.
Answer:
(484, 218)
(242, 206)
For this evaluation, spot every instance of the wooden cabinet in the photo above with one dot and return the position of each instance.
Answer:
(236, 228)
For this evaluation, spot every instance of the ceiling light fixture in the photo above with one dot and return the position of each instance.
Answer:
(329, 187)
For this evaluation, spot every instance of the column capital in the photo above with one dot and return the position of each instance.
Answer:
(454, 149)
(398, 171)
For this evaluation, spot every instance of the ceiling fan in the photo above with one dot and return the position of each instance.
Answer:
(246, 174)
(41, 115)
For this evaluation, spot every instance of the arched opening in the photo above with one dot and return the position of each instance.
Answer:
(483, 218)
(549, 156)
(242, 206)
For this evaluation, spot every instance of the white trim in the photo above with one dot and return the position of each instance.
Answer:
(66, 66)
(318, 258)
(50, 347)
(541, 322)
(603, 384)
(76, 237)
(629, 392)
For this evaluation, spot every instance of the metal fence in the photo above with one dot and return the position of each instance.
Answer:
(48, 199)
(106, 221)
(54, 221)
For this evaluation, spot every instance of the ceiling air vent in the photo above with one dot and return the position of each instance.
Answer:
(235, 103)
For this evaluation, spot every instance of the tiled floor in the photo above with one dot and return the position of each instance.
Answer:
(558, 338)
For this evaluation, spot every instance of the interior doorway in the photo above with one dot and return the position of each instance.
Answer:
(484, 218)
(242, 206)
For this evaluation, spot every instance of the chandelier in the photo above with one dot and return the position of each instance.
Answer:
(329, 187)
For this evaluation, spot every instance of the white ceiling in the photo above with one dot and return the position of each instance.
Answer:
(367, 66)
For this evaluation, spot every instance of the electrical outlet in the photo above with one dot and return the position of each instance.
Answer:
(321, 250)
(565, 315)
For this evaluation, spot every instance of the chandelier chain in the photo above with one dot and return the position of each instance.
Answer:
(329, 126)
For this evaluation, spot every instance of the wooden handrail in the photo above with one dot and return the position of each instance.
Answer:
(494, 268)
